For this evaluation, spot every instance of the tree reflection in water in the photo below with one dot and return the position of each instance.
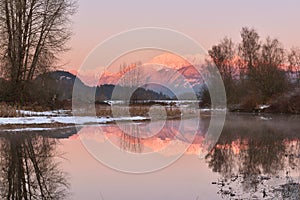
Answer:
(28, 169)
(130, 139)
(257, 159)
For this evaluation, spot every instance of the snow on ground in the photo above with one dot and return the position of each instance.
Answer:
(45, 113)
(28, 129)
(175, 102)
(64, 120)
(213, 109)
(263, 106)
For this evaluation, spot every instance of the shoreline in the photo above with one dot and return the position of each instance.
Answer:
(43, 122)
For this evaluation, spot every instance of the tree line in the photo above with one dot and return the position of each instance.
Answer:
(255, 71)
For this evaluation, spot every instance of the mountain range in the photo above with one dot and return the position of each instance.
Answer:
(161, 72)
(165, 75)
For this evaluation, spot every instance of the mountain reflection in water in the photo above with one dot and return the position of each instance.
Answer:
(255, 158)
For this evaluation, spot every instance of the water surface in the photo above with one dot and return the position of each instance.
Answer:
(256, 157)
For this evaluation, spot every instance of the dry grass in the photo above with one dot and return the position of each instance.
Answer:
(8, 110)
(103, 110)
(147, 111)
(134, 110)
(169, 112)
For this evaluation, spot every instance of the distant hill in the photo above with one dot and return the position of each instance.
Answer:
(60, 83)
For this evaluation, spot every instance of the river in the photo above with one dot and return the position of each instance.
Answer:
(255, 157)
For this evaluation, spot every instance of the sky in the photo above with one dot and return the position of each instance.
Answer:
(206, 21)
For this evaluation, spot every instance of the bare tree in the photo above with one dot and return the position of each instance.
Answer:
(272, 52)
(294, 62)
(267, 76)
(256, 74)
(264, 75)
(32, 34)
(250, 46)
(223, 55)
(130, 74)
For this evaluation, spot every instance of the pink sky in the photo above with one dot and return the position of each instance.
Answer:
(205, 21)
